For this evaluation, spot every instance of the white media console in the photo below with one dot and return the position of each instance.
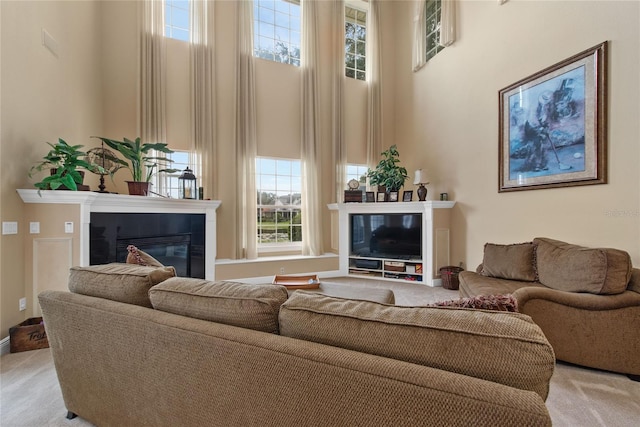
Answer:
(421, 266)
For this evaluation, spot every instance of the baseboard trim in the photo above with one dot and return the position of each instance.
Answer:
(5, 346)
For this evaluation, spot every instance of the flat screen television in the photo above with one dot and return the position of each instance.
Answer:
(390, 235)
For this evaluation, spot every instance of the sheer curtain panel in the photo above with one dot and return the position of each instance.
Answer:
(339, 144)
(152, 78)
(203, 94)
(374, 74)
(419, 35)
(310, 153)
(246, 142)
(447, 22)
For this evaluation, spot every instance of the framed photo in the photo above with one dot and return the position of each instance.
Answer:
(370, 196)
(553, 125)
(381, 196)
(407, 196)
(393, 196)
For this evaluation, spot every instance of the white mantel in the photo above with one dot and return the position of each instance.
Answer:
(89, 202)
(435, 231)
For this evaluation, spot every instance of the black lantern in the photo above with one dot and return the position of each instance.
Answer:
(187, 188)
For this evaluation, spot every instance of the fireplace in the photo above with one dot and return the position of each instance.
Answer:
(175, 239)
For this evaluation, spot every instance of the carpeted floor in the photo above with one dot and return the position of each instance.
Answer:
(31, 397)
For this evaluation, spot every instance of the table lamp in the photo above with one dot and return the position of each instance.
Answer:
(421, 180)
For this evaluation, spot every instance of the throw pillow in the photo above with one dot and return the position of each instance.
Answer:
(128, 283)
(574, 268)
(507, 348)
(136, 256)
(482, 302)
(237, 304)
(511, 262)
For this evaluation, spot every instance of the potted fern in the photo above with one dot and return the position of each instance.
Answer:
(64, 162)
(388, 173)
(140, 161)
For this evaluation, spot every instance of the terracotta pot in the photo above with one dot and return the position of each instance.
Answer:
(138, 188)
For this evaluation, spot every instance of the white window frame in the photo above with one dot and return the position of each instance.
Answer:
(279, 180)
(357, 6)
(277, 26)
(170, 6)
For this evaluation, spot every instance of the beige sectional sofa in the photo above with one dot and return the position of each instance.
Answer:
(195, 353)
(586, 300)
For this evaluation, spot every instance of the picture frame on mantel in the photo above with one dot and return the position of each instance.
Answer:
(552, 125)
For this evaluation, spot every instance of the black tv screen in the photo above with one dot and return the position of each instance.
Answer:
(391, 235)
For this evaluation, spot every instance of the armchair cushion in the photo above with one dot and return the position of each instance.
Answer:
(574, 268)
(512, 262)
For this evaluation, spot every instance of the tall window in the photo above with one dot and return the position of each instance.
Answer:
(276, 30)
(433, 28)
(355, 37)
(279, 184)
(359, 173)
(176, 19)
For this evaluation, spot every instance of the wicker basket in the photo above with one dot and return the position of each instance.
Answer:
(449, 276)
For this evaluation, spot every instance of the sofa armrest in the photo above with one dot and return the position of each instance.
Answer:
(578, 300)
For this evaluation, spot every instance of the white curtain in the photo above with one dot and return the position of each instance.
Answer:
(374, 74)
(203, 96)
(310, 153)
(339, 144)
(419, 35)
(152, 78)
(447, 22)
(246, 140)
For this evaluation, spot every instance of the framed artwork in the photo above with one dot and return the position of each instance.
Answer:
(553, 125)
(381, 196)
(407, 196)
(370, 196)
(393, 196)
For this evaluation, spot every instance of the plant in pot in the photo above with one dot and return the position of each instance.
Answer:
(141, 161)
(64, 162)
(388, 173)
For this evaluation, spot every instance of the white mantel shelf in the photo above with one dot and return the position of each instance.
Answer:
(89, 202)
(435, 232)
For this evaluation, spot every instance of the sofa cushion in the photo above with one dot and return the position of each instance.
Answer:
(128, 283)
(237, 304)
(512, 262)
(507, 348)
(136, 256)
(574, 268)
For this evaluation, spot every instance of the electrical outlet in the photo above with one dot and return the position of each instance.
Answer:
(34, 227)
(23, 304)
(68, 227)
(281, 270)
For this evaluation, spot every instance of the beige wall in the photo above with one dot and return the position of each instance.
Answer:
(43, 97)
(447, 121)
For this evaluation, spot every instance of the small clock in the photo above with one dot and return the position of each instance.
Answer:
(354, 184)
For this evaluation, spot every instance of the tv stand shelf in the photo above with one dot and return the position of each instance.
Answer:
(421, 268)
(386, 268)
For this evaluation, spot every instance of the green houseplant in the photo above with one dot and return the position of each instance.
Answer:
(388, 173)
(140, 161)
(64, 162)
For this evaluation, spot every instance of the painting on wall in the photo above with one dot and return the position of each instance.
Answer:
(553, 125)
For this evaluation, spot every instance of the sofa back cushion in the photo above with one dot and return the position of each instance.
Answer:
(128, 283)
(511, 262)
(506, 348)
(573, 268)
(237, 304)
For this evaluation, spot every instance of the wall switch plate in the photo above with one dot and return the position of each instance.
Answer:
(68, 227)
(9, 227)
(23, 304)
(34, 227)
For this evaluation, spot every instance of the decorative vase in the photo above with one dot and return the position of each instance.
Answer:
(422, 193)
(138, 188)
